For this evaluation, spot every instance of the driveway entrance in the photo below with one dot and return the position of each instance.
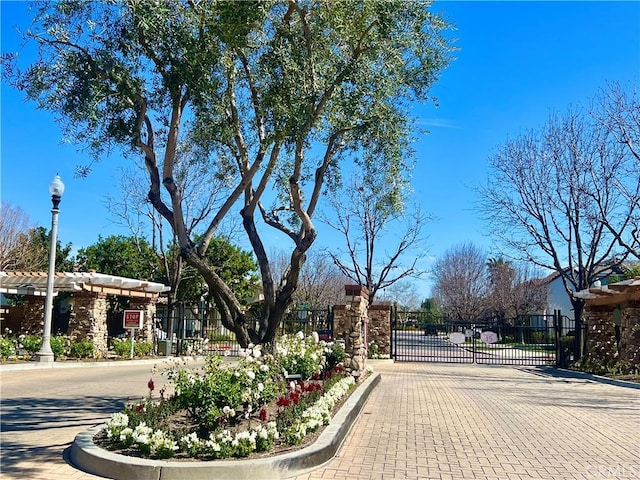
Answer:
(535, 340)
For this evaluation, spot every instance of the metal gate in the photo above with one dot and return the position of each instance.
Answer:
(527, 340)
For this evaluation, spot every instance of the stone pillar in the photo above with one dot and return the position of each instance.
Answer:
(630, 333)
(379, 331)
(601, 336)
(148, 306)
(89, 320)
(350, 324)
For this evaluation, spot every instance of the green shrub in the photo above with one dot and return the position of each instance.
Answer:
(539, 337)
(32, 343)
(122, 348)
(141, 349)
(82, 348)
(7, 348)
(60, 346)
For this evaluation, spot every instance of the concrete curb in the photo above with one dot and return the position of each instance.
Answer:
(93, 459)
(73, 364)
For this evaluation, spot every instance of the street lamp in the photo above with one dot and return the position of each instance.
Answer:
(45, 354)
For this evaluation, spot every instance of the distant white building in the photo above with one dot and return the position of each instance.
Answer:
(558, 298)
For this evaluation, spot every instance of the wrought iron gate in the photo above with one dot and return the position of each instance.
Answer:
(528, 340)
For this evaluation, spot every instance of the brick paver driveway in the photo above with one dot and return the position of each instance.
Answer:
(447, 421)
(423, 421)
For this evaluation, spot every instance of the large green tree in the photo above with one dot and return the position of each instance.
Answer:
(119, 255)
(273, 95)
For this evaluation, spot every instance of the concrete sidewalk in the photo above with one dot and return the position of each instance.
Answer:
(424, 421)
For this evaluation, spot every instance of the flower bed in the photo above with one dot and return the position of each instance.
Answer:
(223, 411)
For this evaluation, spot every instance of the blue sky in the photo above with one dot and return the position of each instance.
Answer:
(517, 62)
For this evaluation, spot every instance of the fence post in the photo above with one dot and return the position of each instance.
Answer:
(392, 323)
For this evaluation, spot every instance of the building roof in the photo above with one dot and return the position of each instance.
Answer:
(611, 294)
(35, 283)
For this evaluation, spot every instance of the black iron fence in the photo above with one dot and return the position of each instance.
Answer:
(525, 340)
(204, 335)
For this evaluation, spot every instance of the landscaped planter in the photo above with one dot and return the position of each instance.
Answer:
(86, 455)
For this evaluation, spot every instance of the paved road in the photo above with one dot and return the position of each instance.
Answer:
(43, 410)
(424, 421)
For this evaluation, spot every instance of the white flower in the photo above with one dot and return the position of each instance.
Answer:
(250, 374)
(260, 387)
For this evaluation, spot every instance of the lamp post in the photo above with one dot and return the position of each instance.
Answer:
(45, 354)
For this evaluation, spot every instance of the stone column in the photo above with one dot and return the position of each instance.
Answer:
(148, 306)
(601, 336)
(350, 324)
(379, 331)
(89, 320)
(630, 333)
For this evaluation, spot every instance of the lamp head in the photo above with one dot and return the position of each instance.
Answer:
(56, 187)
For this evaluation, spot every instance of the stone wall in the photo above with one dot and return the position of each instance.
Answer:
(601, 335)
(602, 344)
(89, 320)
(630, 333)
(379, 331)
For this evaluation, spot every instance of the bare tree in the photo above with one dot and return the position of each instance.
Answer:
(618, 111)
(321, 284)
(461, 282)
(529, 294)
(404, 294)
(17, 250)
(549, 191)
(501, 276)
(370, 214)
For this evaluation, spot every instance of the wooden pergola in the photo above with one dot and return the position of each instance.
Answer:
(35, 283)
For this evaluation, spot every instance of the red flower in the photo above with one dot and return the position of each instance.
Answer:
(139, 407)
(263, 415)
(283, 402)
(151, 385)
(295, 397)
